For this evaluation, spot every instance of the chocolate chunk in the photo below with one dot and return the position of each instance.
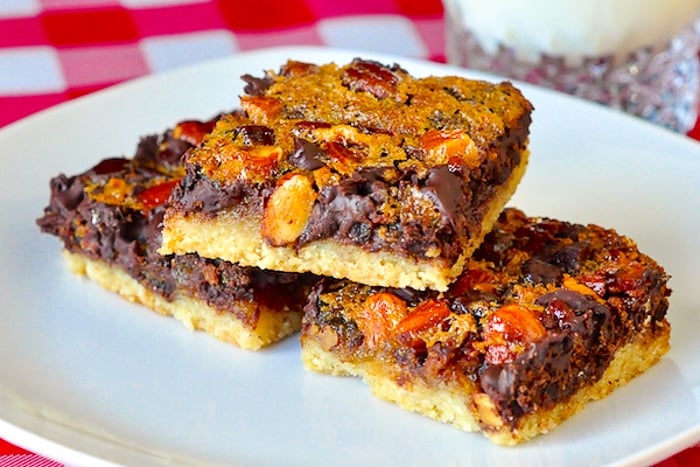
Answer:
(445, 189)
(130, 233)
(256, 134)
(475, 302)
(571, 256)
(590, 319)
(307, 155)
(411, 296)
(67, 191)
(496, 379)
(350, 209)
(514, 395)
(537, 271)
(165, 150)
(171, 150)
(134, 228)
(360, 232)
(495, 246)
(196, 192)
(107, 166)
(578, 302)
(340, 207)
(256, 86)
(147, 147)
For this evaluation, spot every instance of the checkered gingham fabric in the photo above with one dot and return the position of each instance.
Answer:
(54, 50)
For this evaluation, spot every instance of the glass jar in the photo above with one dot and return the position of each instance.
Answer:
(640, 56)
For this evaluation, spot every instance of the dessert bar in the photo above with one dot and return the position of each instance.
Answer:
(359, 171)
(545, 317)
(109, 220)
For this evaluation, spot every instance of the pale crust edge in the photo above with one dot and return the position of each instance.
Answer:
(233, 237)
(453, 403)
(193, 313)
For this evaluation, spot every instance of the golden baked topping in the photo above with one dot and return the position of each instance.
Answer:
(538, 313)
(363, 115)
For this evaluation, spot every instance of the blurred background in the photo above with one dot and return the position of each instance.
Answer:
(637, 55)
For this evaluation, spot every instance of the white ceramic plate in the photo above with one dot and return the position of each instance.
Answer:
(87, 378)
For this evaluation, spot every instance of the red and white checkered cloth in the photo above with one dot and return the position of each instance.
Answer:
(55, 50)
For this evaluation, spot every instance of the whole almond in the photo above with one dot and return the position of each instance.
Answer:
(288, 210)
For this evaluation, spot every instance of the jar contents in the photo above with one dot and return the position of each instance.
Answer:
(640, 56)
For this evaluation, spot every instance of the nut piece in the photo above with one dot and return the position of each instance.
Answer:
(157, 194)
(486, 411)
(443, 145)
(256, 163)
(507, 331)
(371, 77)
(515, 322)
(329, 338)
(426, 315)
(295, 68)
(193, 131)
(572, 284)
(261, 109)
(474, 279)
(288, 210)
(378, 316)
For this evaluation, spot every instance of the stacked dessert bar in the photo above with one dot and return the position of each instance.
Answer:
(109, 219)
(380, 197)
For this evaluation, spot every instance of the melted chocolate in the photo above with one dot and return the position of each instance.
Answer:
(129, 238)
(522, 262)
(256, 134)
(256, 86)
(307, 155)
(447, 191)
(376, 204)
(537, 271)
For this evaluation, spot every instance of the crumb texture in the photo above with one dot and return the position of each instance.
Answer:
(546, 316)
(328, 164)
(271, 325)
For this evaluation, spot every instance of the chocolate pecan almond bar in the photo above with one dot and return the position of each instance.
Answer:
(545, 317)
(109, 220)
(358, 171)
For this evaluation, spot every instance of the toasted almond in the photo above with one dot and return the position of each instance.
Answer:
(288, 210)
(516, 322)
(193, 131)
(508, 330)
(379, 315)
(261, 109)
(572, 284)
(443, 145)
(329, 339)
(486, 411)
(426, 315)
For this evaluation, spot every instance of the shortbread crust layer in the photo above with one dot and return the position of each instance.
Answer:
(358, 171)
(546, 316)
